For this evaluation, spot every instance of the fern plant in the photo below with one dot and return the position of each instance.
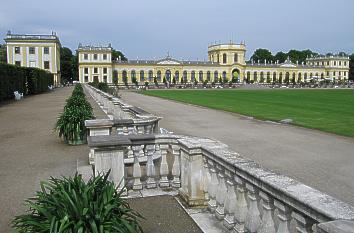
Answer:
(69, 205)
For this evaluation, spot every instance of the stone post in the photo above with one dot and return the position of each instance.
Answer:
(253, 218)
(150, 168)
(241, 206)
(284, 217)
(176, 168)
(164, 166)
(268, 225)
(220, 194)
(230, 202)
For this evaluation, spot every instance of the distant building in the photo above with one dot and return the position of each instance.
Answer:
(41, 51)
(225, 61)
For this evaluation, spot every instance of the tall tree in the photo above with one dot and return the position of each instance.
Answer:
(75, 67)
(261, 55)
(3, 54)
(351, 67)
(116, 54)
(66, 64)
(280, 57)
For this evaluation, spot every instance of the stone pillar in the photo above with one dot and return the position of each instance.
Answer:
(176, 168)
(241, 206)
(268, 225)
(284, 217)
(137, 150)
(192, 190)
(164, 182)
(303, 223)
(230, 202)
(150, 168)
(212, 187)
(113, 160)
(253, 218)
(221, 194)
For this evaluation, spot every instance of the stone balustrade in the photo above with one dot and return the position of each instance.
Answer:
(239, 193)
(141, 161)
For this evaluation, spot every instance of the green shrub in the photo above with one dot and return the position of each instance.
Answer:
(71, 123)
(69, 205)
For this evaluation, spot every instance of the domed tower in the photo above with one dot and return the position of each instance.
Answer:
(227, 54)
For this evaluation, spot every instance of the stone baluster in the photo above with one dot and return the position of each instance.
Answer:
(137, 150)
(268, 225)
(164, 166)
(220, 194)
(241, 206)
(150, 167)
(230, 202)
(303, 223)
(253, 218)
(213, 186)
(284, 217)
(176, 168)
(206, 177)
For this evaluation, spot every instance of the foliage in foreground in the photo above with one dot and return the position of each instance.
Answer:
(69, 205)
(71, 123)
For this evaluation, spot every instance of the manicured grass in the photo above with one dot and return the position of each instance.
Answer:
(327, 110)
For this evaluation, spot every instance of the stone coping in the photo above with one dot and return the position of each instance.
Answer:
(98, 123)
(339, 226)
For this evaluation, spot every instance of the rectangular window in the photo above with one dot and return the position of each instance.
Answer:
(86, 79)
(105, 79)
(104, 56)
(85, 56)
(335, 63)
(328, 63)
(46, 65)
(18, 63)
(32, 50)
(334, 73)
(17, 50)
(345, 63)
(105, 70)
(46, 50)
(86, 70)
(95, 70)
(340, 63)
(95, 57)
(32, 64)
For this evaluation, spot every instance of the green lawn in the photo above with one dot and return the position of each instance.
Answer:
(327, 110)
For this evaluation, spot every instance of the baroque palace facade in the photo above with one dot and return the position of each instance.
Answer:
(40, 51)
(225, 61)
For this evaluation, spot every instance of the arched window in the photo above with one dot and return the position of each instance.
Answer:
(274, 77)
(115, 76)
(322, 76)
(200, 76)
(224, 75)
(185, 76)
(216, 74)
(235, 57)
(133, 76)
(124, 76)
(294, 78)
(224, 58)
(151, 76)
(281, 77)
(208, 76)
(177, 76)
(158, 76)
(305, 77)
(262, 77)
(168, 75)
(248, 77)
(255, 78)
(299, 77)
(287, 77)
(142, 78)
(218, 58)
(268, 77)
(193, 76)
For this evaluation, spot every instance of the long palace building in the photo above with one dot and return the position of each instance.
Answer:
(225, 61)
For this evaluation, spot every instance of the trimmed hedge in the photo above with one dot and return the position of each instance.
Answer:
(23, 79)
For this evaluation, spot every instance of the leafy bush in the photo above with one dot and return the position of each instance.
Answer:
(71, 123)
(23, 79)
(69, 205)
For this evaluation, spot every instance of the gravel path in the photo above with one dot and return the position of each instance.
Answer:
(320, 160)
(30, 151)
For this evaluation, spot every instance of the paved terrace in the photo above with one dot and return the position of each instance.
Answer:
(321, 160)
(30, 152)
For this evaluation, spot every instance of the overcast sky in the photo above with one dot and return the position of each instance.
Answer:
(185, 28)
